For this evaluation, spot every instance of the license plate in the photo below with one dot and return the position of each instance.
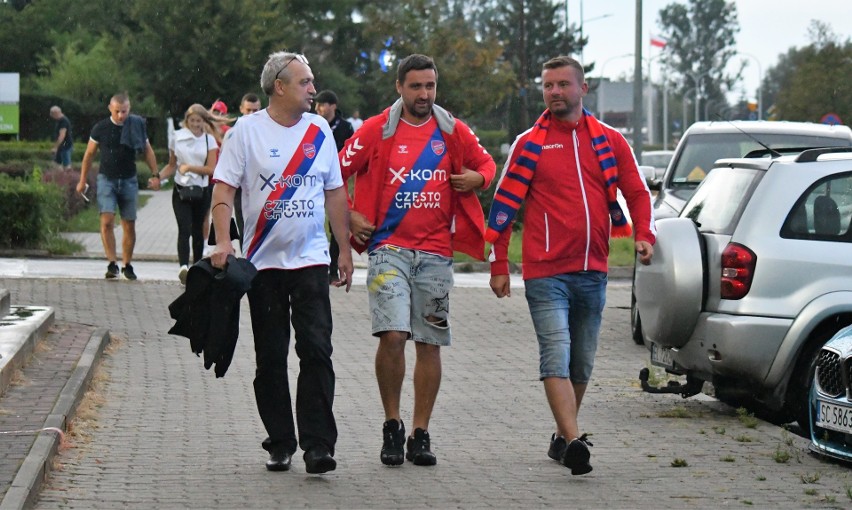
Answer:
(661, 357)
(834, 417)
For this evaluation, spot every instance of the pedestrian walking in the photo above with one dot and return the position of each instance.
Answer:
(285, 161)
(567, 169)
(118, 138)
(416, 169)
(63, 140)
(192, 158)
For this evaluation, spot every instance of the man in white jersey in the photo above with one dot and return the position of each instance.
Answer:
(284, 159)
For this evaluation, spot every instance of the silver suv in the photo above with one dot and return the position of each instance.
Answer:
(705, 142)
(752, 279)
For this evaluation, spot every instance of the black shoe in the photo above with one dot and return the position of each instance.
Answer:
(557, 447)
(112, 271)
(127, 272)
(419, 451)
(279, 461)
(576, 456)
(319, 460)
(393, 433)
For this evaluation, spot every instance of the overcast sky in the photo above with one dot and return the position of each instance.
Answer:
(768, 28)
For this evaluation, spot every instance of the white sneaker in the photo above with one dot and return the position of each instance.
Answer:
(182, 274)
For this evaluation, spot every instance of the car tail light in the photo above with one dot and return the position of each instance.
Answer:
(738, 264)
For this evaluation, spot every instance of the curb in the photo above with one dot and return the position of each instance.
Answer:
(35, 468)
(19, 336)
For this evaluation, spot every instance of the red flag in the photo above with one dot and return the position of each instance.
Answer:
(658, 41)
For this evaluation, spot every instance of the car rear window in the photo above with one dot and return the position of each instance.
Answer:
(718, 202)
(824, 211)
(701, 150)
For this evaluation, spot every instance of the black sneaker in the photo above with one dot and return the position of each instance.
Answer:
(576, 456)
(112, 271)
(127, 272)
(393, 433)
(557, 447)
(419, 451)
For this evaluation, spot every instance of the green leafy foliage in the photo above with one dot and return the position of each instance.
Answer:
(701, 38)
(31, 211)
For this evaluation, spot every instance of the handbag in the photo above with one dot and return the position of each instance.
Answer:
(191, 193)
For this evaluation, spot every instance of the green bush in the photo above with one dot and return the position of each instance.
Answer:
(31, 211)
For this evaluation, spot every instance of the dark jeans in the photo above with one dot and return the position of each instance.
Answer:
(190, 221)
(299, 297)
(334, 253)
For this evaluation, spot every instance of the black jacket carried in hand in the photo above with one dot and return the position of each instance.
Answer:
(208, 311)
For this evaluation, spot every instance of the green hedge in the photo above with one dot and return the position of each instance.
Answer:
(31, 211)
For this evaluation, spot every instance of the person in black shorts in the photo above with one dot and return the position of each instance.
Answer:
(118, 138)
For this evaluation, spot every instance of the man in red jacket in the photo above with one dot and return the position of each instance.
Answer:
(416, 168)
(567, 170)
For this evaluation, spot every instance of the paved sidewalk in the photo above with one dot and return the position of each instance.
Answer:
(170, 435)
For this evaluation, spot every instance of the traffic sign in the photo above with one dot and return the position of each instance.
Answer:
(831, 118)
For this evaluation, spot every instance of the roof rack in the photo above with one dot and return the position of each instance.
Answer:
(811, 155)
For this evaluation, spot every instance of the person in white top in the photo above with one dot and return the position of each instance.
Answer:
(355, 120)
(192, 158)
(284, 160)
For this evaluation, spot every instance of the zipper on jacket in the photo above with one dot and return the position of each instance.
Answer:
(576, 142)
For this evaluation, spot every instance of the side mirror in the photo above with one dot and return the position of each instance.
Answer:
(651, 177)
(649, 172)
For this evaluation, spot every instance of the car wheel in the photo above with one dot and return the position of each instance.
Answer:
(635, 320)
(799, 387)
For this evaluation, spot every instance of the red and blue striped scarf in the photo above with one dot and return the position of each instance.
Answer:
(515, 184)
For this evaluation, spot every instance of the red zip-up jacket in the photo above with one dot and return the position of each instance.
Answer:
(566, 220)
(366, 154)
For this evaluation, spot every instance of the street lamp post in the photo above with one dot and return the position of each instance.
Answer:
(583, 21)
(697, 79)
(601, 105)
(759, 83)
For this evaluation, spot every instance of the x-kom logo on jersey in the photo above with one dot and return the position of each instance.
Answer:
(397, 175)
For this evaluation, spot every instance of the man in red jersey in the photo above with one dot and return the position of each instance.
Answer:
(567, 169)
(416, 168)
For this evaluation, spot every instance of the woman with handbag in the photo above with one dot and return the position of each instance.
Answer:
(192, 158)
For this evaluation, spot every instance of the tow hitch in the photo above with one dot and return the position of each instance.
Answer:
(691, 388)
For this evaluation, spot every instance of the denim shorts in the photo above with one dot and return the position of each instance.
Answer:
(566, 313)
(121, 193)
(63, 156)
(407, 288)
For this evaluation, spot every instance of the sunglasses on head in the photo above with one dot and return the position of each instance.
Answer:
(298, 56)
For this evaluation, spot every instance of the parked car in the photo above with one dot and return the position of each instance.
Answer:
(705, 142)
(752, 279)
(659, 161)
(830, 404)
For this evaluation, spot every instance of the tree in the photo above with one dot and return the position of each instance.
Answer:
(198, 51)
(472, 78)
(701, 38)
(809, 82)
(529, 32)
(90, 75)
